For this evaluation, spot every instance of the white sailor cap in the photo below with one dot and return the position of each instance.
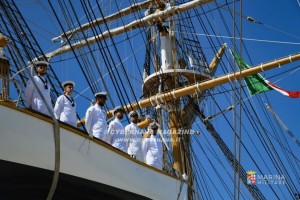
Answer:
(154, 125)
(41, 63)
(118, 108)
(68, 83)
(101, 94)
(133, 113)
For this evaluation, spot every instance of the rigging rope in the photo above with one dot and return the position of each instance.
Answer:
(118, 55)
(283, 125)
(243, 38)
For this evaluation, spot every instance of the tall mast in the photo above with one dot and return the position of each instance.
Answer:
(170, 72)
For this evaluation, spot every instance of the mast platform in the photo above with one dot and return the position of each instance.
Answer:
(183, 77)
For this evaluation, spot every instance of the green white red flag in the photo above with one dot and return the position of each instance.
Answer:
(257, 83)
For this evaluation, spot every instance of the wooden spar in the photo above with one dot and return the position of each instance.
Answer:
(126, 11)
(216, 60)
(148, 20)
(145, 123)
(175, 94)
(175, 139)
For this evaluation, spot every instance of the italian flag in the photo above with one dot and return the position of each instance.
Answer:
(257, 83)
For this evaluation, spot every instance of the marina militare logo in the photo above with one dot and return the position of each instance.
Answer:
(251, 178)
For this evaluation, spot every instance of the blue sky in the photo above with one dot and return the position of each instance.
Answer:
(276, 36)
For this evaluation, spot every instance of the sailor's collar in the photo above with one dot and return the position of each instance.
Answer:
(133, 124)
(118, 120)
(97, 105)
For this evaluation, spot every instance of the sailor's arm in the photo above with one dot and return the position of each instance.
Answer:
(127, 135)
(145, 122)
(109, 136)
(29, 92)
(58, 107)
(144, 147)
(88, 120)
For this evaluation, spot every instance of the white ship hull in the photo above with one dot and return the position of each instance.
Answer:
(89, 168)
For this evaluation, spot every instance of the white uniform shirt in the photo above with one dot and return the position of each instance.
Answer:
(64, 111)
(95, 122)
(116, 135)
(33, 98)
(133, 135)
(152, 151)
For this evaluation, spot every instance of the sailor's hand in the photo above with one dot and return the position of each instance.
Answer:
(79, 124)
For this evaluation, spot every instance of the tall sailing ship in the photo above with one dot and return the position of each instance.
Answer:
(170, 61)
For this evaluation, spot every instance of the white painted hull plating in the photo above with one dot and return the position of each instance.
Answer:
(28, 140)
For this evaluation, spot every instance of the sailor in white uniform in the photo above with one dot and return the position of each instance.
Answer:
(33, 98)
(65, 107)
(152, 148)
(95, 117)
(116, 135)
(133, 135)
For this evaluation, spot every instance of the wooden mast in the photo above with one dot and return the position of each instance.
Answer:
(176, 148)
(175, 109)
